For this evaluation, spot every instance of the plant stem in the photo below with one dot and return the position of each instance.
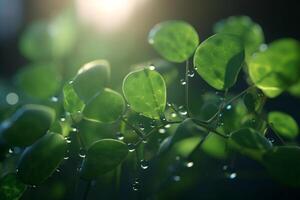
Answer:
(136, 130)
(187, 87)
(86, 191)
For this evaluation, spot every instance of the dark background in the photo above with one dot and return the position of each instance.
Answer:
(277, 18)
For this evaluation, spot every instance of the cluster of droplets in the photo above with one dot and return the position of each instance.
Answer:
(136, 185)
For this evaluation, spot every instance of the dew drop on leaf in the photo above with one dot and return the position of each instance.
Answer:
(162, 130)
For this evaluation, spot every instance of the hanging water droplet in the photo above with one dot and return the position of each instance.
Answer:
(183, 112)
(272, 140)
(162, 130)
(120, 136)
(66, 157)
(228, 107)
(57, 170)
(152, 67)
(169, 104)
(81, 153)
(182, 82)
(176, 178)
(135, 185)
(74, 130)
(195, 68)
(191, 73)
(10, 151)
(70, 82)
(128, 105)
(131, 147)
(167, 125)
(189, 164)
(144, 164)
(62, 119)
(232, 175)
(141, 126)
(68, 140)
(144, 140)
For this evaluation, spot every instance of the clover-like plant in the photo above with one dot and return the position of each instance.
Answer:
(222, 124)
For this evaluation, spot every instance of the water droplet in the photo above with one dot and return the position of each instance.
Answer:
(183, 112)
(182, 82)
(189, 164)
(141, 126)
(152, 67)
(167, 125)
(173, 115)
(144, 140)
(228, 107)
(81, 153)
(57, 170)
(177, 158)
(66, 157)
(176, 178)
(71, 82)
(191, 73)
(68, 140)
(131, 147)
(272, 140)
(62, 119)
(12, 98)
(120, 136)
(136, 185)
(263, 47)
(162, 130)
(74, 130)
(54, 99)
(169, 104)
(11, 151)
(144, 164)
(232, 175)
(195, 68)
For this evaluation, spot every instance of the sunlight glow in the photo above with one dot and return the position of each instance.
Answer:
(107, 14)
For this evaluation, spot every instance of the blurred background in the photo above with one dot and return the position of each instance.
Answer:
(117, 30)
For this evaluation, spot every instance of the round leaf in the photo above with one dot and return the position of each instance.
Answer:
(284, 124)
(277, 68)
(102, 157)
(250, 142)
(41, 159)
(248, 31)
(218, 60)
(283, 164)
(176, 41)
(39, 80)
(145, 91)
(27, 124)
(11, 188)
(91, 79)
(106, 107)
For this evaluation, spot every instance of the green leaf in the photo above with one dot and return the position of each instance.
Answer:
(145, 91)
(277, 68)
(186, 146)
(295, 89)
(248, 31)
(283, 164)
(91, 79)
(218, 60)
(215, 146)
(284, 124)
(11, 188)
(43, 40)
(40, 160)
(27, 124)
(253, 100)
(106, 107)
(176, 41)
(72, 103)
(249, 142)
(103, 156)
(40, 80)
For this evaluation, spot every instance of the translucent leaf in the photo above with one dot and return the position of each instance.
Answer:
(103, 156)
(40, 80)
(27, 124)
(40, 160)
(277, 68)
(106, 107)
(72, 103)
(91, 79)
(145, 91)
(176, 41)
(242, 26)
(283, 164)
(186, 146)
(43, 40)
(218, 60)
(250, 142)
(11, 188)
(284, 124)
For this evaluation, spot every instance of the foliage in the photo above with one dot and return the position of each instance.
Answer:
(86, 112)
